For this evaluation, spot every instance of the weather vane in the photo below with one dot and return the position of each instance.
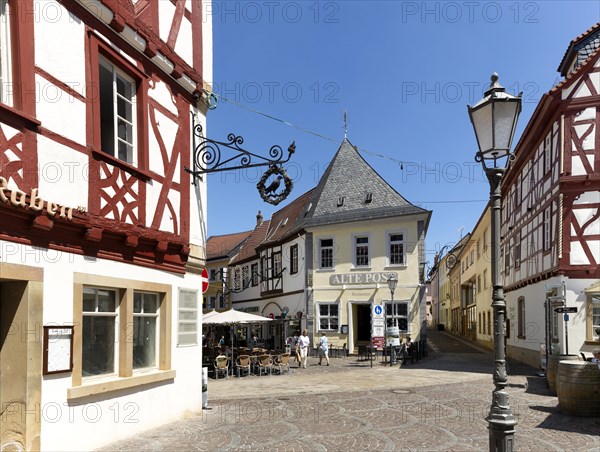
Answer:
(208, 158)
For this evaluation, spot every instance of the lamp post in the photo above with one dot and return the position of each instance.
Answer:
(494, 120)
(392, 282)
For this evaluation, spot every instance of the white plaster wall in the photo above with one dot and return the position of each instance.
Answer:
(534, 316)
(297, 280)
(113, 416)
(161, 93)
(166, 11)
(62, 173)
(207, 42)
(60, 112)
(168, 133)
(184, 44)
(198, 195)
(152, 194)
(55, 28)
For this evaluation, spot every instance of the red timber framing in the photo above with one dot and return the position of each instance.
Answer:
(567, 119)
(143, 17)
(118, 224)
(22, 114)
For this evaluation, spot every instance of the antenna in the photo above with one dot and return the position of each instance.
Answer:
(461, 231)
(345, 123)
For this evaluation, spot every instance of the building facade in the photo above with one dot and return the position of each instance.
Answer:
(550, 218)
(322, 261)
(101, 231)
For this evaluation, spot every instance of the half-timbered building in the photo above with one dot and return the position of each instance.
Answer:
(322, 261)
(101, 230)
(551, 214)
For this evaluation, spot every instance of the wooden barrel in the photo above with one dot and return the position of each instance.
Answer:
(578, 388)
(552, 369)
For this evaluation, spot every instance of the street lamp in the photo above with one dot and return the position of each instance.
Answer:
(392, 282)
(494, 119)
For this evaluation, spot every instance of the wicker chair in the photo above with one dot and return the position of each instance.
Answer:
(221, 366)
(265, 362)
(242, 364)
(282, 362)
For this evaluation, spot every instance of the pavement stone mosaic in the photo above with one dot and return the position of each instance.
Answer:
(437, 404)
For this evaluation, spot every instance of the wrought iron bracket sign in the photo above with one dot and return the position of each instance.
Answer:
(269, 194)
(209, 158)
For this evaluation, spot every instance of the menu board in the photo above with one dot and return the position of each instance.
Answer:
(58, 349)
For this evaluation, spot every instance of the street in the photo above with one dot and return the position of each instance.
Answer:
(439, 403)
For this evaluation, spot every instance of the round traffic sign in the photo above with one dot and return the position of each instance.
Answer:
(204, 280)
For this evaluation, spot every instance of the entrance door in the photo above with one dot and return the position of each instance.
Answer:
(363, 323)
(20, 364)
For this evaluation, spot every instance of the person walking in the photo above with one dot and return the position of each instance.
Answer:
(323, 349)
(303, 343)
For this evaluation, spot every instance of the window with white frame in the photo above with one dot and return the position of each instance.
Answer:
(210, 301)
(293, 259)
(485, 280)
(595, 309)
(99, 336)
(145, 329)
(521, 314)
(237, 278)
(117, 112)
(361, 251)
(485, 240)
(517, 251)
(245, 276)
(396, 249)
(5, 54)
(277, 266)
(326, 253)
(547, 156)
(187, 319)
(397, 315)
(254, 274)
(546, 229)
(329, 317)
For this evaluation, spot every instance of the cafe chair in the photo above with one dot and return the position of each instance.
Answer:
(221, 366)
(242, 364)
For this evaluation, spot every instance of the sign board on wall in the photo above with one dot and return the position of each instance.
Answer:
(361, 278)
(58, 349)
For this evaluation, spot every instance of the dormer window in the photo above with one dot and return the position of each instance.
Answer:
(368, 198)
(341, 200)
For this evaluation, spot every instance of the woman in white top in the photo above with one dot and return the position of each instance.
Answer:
(303, 343)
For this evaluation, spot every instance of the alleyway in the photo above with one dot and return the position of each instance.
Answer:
(439, 403)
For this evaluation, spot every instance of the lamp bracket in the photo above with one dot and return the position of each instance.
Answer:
(208, 158)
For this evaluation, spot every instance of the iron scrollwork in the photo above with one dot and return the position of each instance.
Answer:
(208, 157)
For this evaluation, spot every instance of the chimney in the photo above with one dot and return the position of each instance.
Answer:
(259, 219)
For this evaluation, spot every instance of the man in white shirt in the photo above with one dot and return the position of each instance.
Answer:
(303, 343)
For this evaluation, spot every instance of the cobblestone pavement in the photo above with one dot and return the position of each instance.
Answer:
(439, 403)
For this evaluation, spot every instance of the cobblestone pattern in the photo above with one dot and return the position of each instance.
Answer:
(449, 416)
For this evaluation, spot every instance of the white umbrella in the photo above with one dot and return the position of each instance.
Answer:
(210, 314)
(232, 316)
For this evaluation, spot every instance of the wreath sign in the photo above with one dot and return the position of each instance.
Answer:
(269, 194)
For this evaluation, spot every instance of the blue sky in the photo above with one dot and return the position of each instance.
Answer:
(404, 72)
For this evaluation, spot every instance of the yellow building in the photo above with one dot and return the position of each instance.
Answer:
(361, 232)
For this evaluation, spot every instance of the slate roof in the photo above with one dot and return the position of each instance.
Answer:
(220, 246)
(350, 177)
(585, 44)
